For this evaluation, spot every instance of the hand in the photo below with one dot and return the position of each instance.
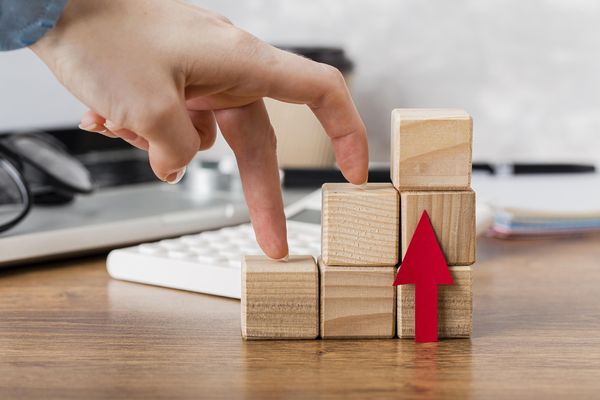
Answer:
(160, 75)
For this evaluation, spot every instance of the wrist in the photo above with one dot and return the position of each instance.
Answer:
(75, 14)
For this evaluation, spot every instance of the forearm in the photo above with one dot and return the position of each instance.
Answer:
(22, 23)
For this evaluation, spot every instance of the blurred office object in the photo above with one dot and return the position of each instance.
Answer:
(316, 177)
(538, 205)
(35, 167)
(129, 206)
(301, 140)
(525, 70)
(533, 168)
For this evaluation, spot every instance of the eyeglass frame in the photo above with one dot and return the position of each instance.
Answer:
(11, 160)
(24, 190)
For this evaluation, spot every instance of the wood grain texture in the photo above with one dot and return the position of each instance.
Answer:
(357, 302)
(431, 149)
(280, 300)
(68, 331)
(360, 225)
(455, 307)
(452, 216)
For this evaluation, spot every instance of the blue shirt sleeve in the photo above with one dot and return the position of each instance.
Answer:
(24, 22)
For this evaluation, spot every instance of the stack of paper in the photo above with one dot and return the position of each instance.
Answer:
(542, 204)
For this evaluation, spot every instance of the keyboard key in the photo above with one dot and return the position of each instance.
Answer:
(191, 240)
(224, 245)
(231, 253)
(246, 228)
(233, 233)
(181, 254)
(250, 250)
(172, 244)
(204, 249)
(241, 242)
(151, 249)
(210, 236)
(211, 260)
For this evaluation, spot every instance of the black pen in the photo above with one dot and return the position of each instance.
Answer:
(308, 177)
(533, 168)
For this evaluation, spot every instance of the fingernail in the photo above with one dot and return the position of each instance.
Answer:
(282, 259)
(110, 125)
(90, 128)
(175, 177)
(362, 185)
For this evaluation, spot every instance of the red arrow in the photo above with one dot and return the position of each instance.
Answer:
(424, 266)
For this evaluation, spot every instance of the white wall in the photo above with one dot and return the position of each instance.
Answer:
(528, 71)
(30, 97)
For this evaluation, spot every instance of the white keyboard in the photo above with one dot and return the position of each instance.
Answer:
(209, 262)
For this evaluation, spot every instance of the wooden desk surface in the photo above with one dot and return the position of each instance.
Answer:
(68, 331)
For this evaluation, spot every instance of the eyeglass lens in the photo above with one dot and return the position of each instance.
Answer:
(13, 201)
(60, 166)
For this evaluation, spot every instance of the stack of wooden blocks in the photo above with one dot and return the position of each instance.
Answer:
(349, 292)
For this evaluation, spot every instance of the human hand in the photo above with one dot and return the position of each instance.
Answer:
(160, 74)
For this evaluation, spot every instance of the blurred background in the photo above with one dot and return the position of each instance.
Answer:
(526, 71)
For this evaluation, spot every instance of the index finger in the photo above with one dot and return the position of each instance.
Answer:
(249, 133)
(296, 79)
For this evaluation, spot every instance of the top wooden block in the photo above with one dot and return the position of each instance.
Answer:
(431, 149)
(360, 225)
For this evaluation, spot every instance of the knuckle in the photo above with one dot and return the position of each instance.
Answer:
(334, 77)
(191, 148)
(246, 42)
(180, 153)
(166, 159)
(271, 140)
(153, 115)
(223, 19)
(331, 85)
(163, 107)
(207, 141)
(119, 117)
(215, 18)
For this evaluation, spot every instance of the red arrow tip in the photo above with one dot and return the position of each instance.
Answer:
(424, 262)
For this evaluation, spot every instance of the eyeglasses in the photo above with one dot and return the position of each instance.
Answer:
(44, 156)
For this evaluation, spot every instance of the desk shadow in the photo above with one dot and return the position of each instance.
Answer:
(30, 266)
(391, 368)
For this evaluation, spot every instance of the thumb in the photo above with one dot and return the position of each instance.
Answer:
(172, 141)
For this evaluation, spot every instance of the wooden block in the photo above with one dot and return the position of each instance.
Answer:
(357, 302)
(431, 149)
(280, 300)
(360, 225)
(455, 307)
(452, 216)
